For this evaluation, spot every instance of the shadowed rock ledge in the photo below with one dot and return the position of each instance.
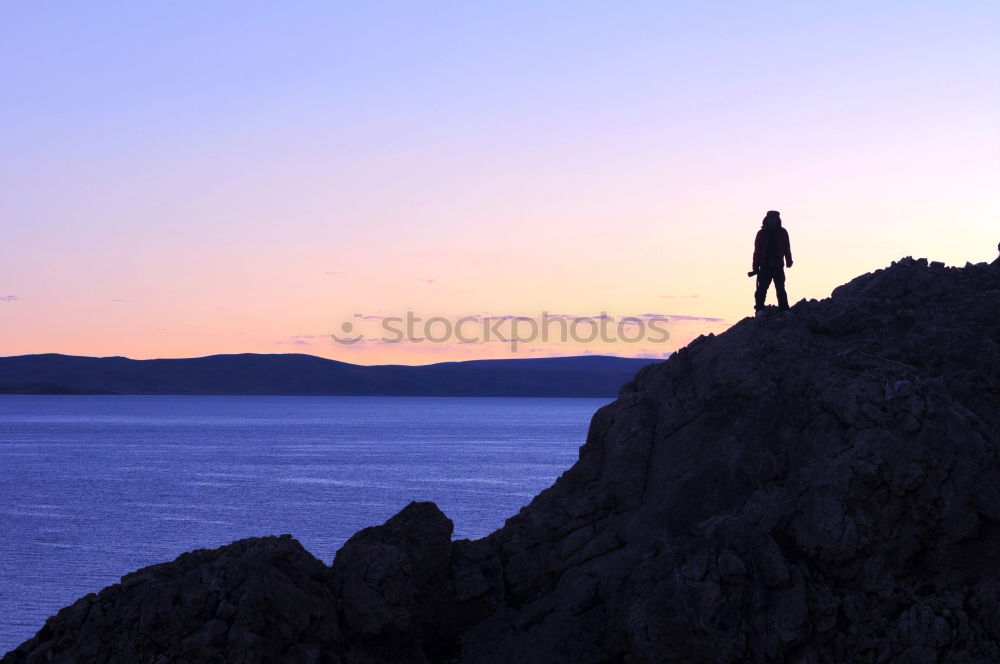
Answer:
(820, 487)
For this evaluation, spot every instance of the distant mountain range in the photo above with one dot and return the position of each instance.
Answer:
(297, 374)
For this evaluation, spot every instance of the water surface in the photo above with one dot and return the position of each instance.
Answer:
(93, 487)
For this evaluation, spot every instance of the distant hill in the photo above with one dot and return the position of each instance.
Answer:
(297, 374)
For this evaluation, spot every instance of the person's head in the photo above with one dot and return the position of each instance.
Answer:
(772, 219)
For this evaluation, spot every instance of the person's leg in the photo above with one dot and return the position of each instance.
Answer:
(779, 287)
(763, 282)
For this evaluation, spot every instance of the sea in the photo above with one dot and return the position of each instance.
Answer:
(95, 486)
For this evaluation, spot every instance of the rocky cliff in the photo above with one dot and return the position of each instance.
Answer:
(822, 486)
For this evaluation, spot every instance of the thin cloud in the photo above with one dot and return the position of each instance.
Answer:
(301, 339)
(572, 318)
(683, 318)
(9, 298)
(293, 342)
(678, 297)
(334, 273)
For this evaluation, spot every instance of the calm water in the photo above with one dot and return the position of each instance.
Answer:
(92, 487)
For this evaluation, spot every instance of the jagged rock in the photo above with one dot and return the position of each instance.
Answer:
(817, 487)
(394, 584)
(256, 600)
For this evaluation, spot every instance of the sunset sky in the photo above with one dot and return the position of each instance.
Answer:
(184, 179)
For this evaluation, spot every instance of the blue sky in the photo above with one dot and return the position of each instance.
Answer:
(185, 159)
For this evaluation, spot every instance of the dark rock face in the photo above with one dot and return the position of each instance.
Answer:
(819, 487)
(394, 585)
(257, 600)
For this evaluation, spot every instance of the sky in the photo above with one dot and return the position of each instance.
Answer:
(186, 179)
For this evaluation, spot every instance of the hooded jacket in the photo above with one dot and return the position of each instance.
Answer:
(771, 245)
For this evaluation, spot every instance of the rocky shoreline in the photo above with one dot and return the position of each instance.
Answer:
(817, 487)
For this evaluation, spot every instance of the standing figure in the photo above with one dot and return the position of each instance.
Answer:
(770, 250)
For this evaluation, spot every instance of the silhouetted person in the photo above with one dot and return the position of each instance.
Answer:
(770, 250)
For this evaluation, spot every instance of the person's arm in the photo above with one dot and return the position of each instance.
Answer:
(758, 249)
(788, 250)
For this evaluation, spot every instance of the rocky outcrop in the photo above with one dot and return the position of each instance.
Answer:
(257, 600)
(394, 585)
(817, 487)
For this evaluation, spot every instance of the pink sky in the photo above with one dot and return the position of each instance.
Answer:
(194, 181)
